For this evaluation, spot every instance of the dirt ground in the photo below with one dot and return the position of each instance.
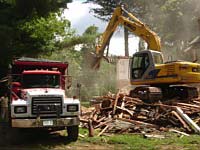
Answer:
(42, 140)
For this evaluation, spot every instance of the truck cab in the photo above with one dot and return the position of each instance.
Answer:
(38, 98)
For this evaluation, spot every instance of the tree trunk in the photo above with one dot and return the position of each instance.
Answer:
(126, 41)
(3, 74)
(141, 45)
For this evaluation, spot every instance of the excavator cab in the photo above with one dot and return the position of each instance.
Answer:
(143, 68)
(143, 64)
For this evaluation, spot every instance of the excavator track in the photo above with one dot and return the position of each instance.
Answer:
(181, 92)
(151, 94)
(147, 94)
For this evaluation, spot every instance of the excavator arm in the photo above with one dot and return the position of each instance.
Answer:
(123, 17)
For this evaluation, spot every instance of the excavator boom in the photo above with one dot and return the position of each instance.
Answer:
(122, 17)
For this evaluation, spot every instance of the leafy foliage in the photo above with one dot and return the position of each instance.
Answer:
(174, 20)
(44, 33)
(28, 27)
(31, 8)
(107, 7)
(88, 38)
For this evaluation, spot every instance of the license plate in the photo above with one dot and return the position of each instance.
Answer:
(48, 123)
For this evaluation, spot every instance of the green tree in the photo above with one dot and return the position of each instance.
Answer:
(87, 38)
(42, 35)
(28, 28)
(174, 20)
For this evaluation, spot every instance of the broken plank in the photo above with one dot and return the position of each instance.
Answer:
(181, 120)
(104, 129)
(122, 106)
(100, 120)
(115, 103)
(183, 133)
(139, 123)
(154, 136)
(83, 120)
(189, 121)
(126, 110)
(103, 123)
(189, 105)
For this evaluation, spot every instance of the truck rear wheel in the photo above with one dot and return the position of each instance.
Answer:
(73, 133)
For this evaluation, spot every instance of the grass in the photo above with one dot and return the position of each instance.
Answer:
(115, 141)
(138, 142)
(85, 103)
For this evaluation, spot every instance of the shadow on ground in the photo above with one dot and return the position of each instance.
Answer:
(16, 139)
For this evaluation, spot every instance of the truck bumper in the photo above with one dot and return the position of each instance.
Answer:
(51, 122)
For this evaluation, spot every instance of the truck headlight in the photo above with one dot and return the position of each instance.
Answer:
(20, 109)
(72, 108)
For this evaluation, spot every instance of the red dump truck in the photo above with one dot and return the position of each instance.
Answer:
(38, 99)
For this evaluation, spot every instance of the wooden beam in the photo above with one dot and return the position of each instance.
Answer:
(189, 121)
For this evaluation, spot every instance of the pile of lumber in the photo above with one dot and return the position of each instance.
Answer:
(119, 113)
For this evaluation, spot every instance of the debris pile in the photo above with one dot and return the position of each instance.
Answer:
(120, 113)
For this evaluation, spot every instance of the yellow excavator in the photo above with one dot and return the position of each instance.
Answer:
(155, 79)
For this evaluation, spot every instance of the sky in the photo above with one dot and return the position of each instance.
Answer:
(78, 13)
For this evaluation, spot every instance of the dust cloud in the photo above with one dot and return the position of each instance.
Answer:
(176, 22)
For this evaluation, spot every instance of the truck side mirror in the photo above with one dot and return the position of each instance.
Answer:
(68, 81)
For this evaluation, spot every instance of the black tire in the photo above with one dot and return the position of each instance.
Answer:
(73, 133)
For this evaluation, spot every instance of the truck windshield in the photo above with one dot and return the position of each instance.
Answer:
(41, 81)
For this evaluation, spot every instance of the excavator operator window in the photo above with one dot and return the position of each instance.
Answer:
(158, 59)
(140, 63)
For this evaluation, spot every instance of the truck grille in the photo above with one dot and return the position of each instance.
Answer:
(46, 105)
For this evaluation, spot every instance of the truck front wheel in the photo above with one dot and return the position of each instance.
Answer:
(72, 133)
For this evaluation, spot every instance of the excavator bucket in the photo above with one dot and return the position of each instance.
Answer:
(96, 60)
(93, 61)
